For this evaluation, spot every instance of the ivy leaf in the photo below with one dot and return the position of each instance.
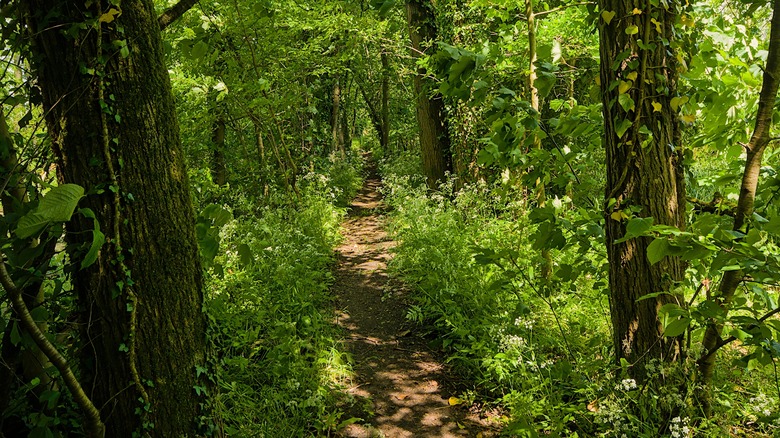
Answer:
(626, 102)
(622, 127)
(110, 15)
(608, 16)
(657, 24)
(677, 101)
(632, 30)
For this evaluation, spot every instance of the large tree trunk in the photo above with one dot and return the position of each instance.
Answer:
(643, 170)
(431, 116)
(115, 133)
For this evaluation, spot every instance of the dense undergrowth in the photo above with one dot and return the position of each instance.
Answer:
(540, 349)
(276, 363)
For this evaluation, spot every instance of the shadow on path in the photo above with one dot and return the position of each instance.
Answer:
(399, 383)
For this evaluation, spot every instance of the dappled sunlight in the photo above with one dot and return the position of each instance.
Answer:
(400, 387)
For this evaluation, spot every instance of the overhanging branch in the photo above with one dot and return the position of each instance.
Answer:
(174, 12)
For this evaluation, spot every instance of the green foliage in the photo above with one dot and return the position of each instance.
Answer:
(487, 312)
(541, 348)
(56, 206)
(277, 359)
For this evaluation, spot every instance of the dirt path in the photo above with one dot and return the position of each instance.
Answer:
(400, 385)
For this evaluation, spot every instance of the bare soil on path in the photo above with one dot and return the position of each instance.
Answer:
(400, 385)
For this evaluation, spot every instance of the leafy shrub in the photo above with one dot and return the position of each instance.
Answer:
(542, 348)
(277, 363)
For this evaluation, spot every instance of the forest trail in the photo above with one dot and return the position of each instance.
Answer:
(400, 385)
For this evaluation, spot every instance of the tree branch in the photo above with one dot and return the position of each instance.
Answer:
(174, 12)
(731, 339)
(538, 14)
(95, 427)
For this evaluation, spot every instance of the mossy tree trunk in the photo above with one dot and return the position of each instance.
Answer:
(113, 127)
(642, 141)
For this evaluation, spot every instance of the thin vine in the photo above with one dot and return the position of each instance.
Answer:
(117, 203)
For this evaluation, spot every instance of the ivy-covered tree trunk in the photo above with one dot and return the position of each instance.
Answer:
(431, 116)
(110, 115)
(642, 141)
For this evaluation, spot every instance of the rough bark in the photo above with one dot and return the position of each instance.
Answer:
(754, 151)
(143, 329)
(643, 170)
(431, 115)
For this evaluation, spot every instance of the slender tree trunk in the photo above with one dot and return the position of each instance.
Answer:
(374, 115)
(643, 171)
(218, 165)
(431, 115)
(546, 267)
(385, 133)
(17, 363)
(335, 119)
(755, 150)
(113, 126)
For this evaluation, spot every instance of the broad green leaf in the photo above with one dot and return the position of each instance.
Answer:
(245, 254)
(98, 239)
(677, 327)
(632, 30)
(31, 224)
(638, 226)
(199, 50)
(657, 250)
(608, 16)
(60, 203)
(209, 248)
(672, 310)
